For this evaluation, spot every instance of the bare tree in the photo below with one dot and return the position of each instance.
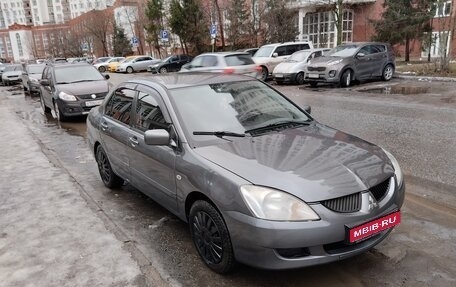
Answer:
(99, 25)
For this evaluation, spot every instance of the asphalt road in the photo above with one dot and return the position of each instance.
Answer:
(418, 129)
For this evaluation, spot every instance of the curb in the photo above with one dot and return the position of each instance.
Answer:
(423, 78)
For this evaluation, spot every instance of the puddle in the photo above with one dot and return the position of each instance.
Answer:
(395, 90)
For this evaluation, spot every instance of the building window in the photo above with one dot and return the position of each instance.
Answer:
(19, 45)
(442, 9)
(440, 44)
(320, 27)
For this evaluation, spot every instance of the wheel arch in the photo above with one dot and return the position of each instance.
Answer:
(194, 196)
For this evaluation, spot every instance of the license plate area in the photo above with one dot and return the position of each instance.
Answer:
(93, 103)
(314, 76)
(366, 230)
(279, 76)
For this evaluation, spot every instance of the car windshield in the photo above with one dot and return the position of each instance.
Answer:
(128, 60)
(264, 52)
(102, 60)
(72, 74)
(234, 107)
(298, 57)
(343, 51)
(35, 69)
(13, 68)
(167, 59)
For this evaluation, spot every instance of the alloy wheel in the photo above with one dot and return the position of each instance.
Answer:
(207, 237)
(163, 70)
(103, 166)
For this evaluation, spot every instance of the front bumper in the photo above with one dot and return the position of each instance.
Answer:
(121, 70)
(12, 80)
(153, 70)
(78, 108)
(284, 78)
(326, 76)
(284, 245)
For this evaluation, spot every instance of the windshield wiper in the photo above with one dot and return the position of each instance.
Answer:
(278, 124)
(83, 81)
(219, 134)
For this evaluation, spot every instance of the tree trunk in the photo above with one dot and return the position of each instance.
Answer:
(407, 49)
(220, 20)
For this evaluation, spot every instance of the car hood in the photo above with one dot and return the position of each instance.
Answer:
(12, 73)
(326, 61)
(84, 88)
(313, 163)
(290, 67)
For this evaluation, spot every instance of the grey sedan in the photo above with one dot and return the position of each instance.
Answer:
(258, 180)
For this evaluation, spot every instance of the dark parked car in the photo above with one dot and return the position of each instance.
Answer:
(354, 61)
(72, 89)
(258, 180)
(31, 78)
(170, 64)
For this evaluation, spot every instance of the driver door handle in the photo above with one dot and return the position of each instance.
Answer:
(104, 126)
(133, 141)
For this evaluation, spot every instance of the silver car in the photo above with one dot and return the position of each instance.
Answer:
(258, 180)
(12, 74)
(223, 62)
(136, 64)
(31, 78)
(354, 61)
(293, 69)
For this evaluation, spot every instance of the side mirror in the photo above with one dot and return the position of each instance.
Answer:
(44, 82)
(275, 55)
(307, 109)
(107, 77)
(360, 55)
(156, 137)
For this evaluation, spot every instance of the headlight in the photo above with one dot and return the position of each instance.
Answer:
(397, 168)
(335, 62)
(67, 97)
(271, 204)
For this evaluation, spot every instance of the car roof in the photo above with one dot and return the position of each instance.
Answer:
(285, 43)
(188, 79)
(225, 53)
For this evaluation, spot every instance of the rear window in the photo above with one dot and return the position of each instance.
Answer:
(239, 60)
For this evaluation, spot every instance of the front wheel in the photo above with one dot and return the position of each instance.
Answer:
(346, 79)
(388, 72)
(109, 178)
(300, 78)
(163, 70)
(264, 74)
(45, 109)
(102, 69)
(129, 70)
(211, 238)
(57, 113)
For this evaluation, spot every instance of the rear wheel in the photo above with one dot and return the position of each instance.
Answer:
(299, 78)
(163, 70)
(211, 237)
(346, 79)
(129, 70)
(109, 178)
(388, 72)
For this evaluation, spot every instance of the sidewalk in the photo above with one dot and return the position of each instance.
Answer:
(49, 236)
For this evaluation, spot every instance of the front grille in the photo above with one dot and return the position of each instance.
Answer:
(380, 190)
(89, 96)
(316, 69)
(345, 204)
(293, 252)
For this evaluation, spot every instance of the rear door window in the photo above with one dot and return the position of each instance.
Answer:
(292, 48)
(304, 46)
(120, 104)
(209, 61)
(239, 60)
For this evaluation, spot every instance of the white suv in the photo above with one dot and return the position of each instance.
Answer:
(270, 55)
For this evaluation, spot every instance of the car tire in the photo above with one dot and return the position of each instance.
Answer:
(58, 113)
(388, 72)
(102, 69)
(163, 70)
(129, 70)
(45, 109)
(264, 74)
(211, 238)
(299, 78)
(346, 78)
(109, 178)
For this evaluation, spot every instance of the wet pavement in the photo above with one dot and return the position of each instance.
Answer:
(418, 129)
